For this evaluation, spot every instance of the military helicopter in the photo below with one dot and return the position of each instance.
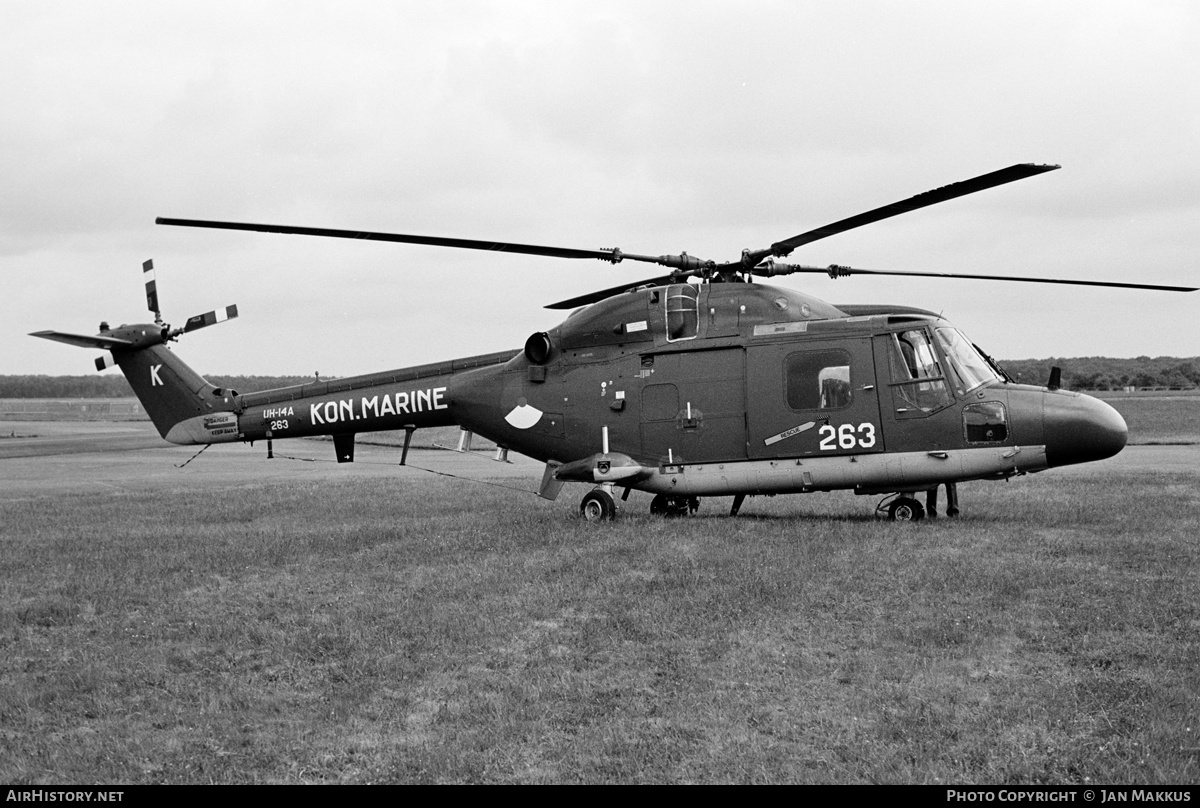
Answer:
(722, 387)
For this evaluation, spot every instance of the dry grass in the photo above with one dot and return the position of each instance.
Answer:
(1159, 419)
(439, 631)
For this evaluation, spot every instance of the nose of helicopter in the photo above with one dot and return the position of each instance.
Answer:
(1080, 429)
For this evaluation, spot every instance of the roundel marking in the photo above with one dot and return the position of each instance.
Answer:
(523, 416)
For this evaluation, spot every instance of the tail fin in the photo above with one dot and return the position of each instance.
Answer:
(182, 404)
(184, 407)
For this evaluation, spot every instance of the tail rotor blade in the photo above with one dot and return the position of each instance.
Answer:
(210, 318)
(151, 289)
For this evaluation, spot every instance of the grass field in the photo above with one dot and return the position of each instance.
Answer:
(244, 620)
(1159, 419)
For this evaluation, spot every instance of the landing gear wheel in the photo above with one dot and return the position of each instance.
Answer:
(906, 509)
(664, 505)
(598, 506)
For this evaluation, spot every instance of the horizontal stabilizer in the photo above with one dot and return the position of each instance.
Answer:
(82, 340)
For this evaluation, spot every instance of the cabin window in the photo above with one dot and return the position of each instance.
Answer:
(985, 422)
(818, 380)
(918, 384)
(683, 312)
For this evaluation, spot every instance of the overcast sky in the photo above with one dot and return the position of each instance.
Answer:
(655, 127)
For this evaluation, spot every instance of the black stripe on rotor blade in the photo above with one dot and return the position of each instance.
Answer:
(946, 192)
(402, 238)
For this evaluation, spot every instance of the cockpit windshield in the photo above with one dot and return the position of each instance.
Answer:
(967, 369)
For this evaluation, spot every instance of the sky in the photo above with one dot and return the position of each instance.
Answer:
(656, 127)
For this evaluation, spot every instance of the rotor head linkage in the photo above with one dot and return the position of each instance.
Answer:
(683, 261)
(772, 268)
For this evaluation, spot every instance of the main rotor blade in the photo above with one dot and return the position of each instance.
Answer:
(614, 255)
(946, 192)
(836, 271)
(403, 238)
(596, 297)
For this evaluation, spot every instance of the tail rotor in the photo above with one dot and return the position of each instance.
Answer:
(184, 406)
(134, 337)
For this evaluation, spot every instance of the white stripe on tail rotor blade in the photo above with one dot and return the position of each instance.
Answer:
(151, 285)
(211, 318)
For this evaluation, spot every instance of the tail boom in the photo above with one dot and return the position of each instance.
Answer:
(409, 398)
(188, 409)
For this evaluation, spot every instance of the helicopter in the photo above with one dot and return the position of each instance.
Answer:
(725, 387)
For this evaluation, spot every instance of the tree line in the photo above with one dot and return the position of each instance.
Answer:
(1104, 373)
(1080, 373)
(114, 385)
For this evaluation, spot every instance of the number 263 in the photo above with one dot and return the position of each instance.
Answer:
(846, 436)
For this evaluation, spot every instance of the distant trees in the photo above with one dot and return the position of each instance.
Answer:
(1081, 373)
(1103, 373)
(94, 386)
(113, 385)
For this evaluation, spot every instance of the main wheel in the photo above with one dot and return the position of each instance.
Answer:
(664, 505)
(906, 509)
(598, 506)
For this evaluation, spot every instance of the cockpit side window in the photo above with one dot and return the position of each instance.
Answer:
(683, 311)
(818, 380)
(985, 422)
(918, 382)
